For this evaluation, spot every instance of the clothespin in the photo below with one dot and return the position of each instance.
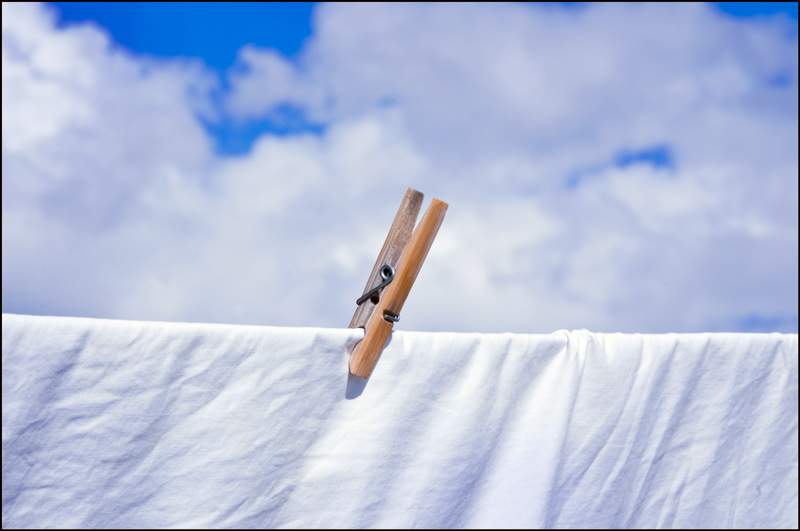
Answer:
(395, 271)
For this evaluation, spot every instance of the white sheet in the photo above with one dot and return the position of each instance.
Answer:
(138, 424)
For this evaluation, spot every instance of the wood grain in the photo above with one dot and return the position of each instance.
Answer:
(366, 353)
(396, 241)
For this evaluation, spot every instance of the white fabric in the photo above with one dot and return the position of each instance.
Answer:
(138, 424)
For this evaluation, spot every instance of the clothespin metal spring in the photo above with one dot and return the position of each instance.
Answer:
(387, 274)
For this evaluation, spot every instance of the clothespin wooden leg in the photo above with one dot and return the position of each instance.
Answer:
(387, 310)
(396, 241)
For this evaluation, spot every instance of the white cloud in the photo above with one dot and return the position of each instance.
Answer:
(116, 205)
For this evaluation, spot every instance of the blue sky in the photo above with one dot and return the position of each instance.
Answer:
(216, 31)
(609, 166)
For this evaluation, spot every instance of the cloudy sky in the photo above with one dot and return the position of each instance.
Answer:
(615, 167)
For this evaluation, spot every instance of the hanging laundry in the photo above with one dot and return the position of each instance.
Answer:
(144, 424)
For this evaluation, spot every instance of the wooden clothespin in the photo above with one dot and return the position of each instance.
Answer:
(395, 271)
